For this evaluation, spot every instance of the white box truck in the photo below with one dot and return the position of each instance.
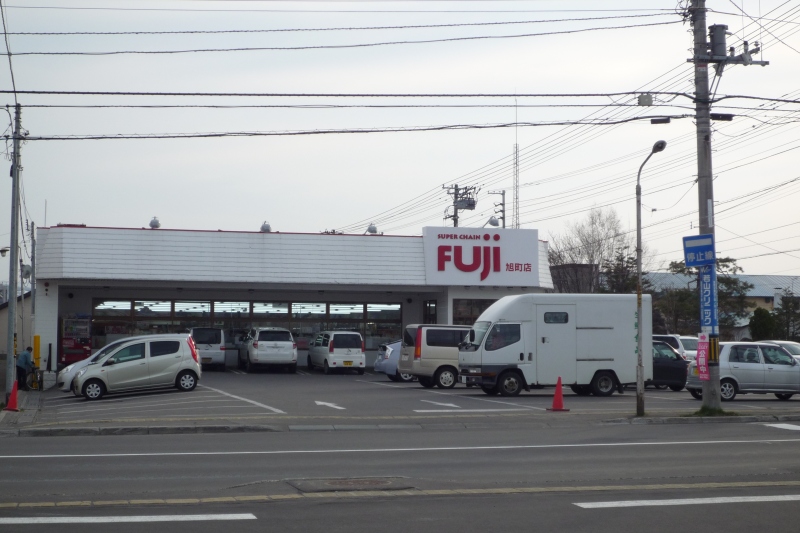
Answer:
(530, 340)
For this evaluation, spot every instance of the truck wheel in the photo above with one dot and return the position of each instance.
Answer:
(446, 378)
(491, 391)
(782, 396)
(581, 390)
(509, 383)
(696, 394)
(727, 390)
(603, 384)
(427, 382)
(676, 388)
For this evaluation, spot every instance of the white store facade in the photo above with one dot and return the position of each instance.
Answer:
(118, 282)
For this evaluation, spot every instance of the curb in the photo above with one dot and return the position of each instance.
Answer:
(131, 430)
(749, 419)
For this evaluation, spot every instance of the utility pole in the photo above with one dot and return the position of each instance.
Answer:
(706, 52)
(515, 207)
(463, 199)
(501, 205)
(11, 370)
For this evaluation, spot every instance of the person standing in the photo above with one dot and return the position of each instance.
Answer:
(24, 365)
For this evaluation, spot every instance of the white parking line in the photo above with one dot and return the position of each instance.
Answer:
(274, 410)
(689, 501)
(123, 519)
(136, 414)
(467, 410)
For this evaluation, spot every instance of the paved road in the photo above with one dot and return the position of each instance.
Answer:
(445, 480)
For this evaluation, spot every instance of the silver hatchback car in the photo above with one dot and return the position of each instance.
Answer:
(141, 363)
(751, 367)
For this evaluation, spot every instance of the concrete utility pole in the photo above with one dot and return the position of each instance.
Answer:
(705, 53)
(463, 199)
(11, 367)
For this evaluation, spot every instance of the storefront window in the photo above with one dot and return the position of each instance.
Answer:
(152, 308)
(152, 327)
(112, 308)
(309, 311)
(347, 311)
(466, 312)
(270, 311)
(379, 332)
(429, 312)
(232, 310)
(193, 309)
(383, 311)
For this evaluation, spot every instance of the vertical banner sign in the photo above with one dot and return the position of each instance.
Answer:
(708, 300)
(702, 356)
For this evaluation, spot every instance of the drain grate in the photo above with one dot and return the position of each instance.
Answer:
(350, 484)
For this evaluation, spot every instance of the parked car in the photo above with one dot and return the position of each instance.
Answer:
(67, 374)
(387, 360)
(337, 349)
(141, 363)
(685, 345)
(751, 367)
(268, 347)
(790, 346)
(430, 353)
(669, 368)
(210, 344)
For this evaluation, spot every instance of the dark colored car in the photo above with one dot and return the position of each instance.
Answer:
(669, 368)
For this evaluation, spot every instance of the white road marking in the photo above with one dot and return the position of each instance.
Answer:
(442, 404)
(170, 405)
(274, 410)
(396, 450)
(121, 519)
(333, 405)
(784, 426)
(467, 410)
(689, 501)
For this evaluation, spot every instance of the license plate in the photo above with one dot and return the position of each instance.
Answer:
(348, 363)
(206, 359)
(696, 371)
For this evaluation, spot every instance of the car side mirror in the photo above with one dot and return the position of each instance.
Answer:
(794, 361)
(110, 362)
(472, 335)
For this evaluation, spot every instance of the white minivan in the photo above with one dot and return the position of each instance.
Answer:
(210, 344)
(337, 349)
(269, 347)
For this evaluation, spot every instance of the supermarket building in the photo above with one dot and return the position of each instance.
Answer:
(95, 285)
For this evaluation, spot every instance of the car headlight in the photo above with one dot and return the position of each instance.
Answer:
(68, 368)
(81, 372)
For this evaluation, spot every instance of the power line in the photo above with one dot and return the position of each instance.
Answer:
(343, 28)
(8, 51)
(343, 46)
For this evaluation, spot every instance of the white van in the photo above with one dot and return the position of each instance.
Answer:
(337, 349)
(210, 344)
(588, 340)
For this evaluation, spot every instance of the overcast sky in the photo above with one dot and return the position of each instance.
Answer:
(344, 180)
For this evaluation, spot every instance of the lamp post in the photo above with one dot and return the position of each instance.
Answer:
(657, 147)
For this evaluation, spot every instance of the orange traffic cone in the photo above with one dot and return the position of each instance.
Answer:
(558, 399)
(12, 399)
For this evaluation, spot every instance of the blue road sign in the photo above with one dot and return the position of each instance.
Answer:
(698, 250)
(708, 300)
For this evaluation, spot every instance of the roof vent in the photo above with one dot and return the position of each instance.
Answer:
(155, 224)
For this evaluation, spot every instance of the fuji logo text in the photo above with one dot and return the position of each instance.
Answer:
(487, 257)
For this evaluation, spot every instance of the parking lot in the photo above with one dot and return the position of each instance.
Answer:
(280, 398)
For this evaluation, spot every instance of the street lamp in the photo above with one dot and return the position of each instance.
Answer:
(657, 147)
(492, 222)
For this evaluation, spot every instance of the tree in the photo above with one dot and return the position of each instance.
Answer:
(762, 325)
(619, 276)
(732, 304)
(787, 316)
(577, 256)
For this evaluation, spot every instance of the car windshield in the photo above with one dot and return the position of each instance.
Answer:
(793, 349)
(689, 343)
(207, 335)
(480, 329)
(104, 350)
